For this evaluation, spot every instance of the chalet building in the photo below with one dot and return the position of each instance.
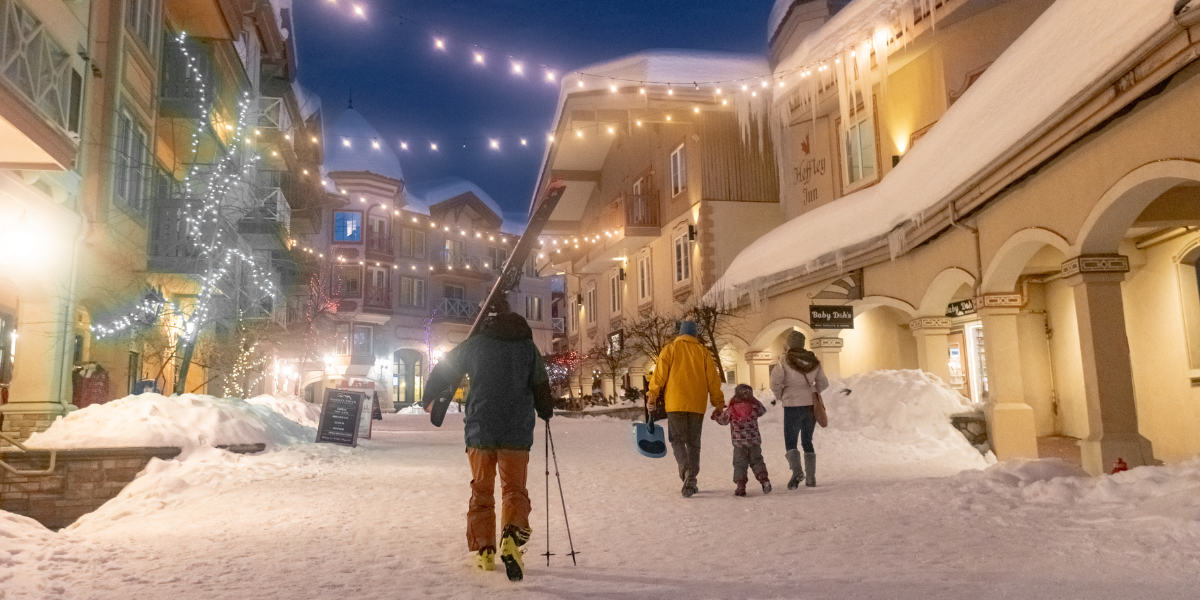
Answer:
(407, 267)
(662, 193)
(99, 144)
(1001, 202)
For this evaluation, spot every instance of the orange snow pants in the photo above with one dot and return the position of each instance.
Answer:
(481, 515)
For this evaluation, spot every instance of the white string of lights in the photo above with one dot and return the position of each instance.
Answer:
(143, 314)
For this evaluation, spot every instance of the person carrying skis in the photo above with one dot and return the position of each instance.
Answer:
(742, 417)
(685, 379)
(794, 381)
(509, 385)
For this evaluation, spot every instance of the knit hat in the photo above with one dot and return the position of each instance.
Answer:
(743, 391)
(687, 328)
(795, 339)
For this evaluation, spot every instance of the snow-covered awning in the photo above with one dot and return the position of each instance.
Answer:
(1072, 44)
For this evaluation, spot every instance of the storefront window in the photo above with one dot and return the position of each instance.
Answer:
(361, 342)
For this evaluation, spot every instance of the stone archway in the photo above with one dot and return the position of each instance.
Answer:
(1006, 265)
(410, 365)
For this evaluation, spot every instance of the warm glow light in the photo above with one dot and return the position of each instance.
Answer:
(697, 109)
(639, 123)
(524, 142)
(610, 130)
(549, 75)
(433, 146)
(578, 133)
(404, 145)
(375, 145)
(478, 58)
(668, 117)
(314, 139)
(518, 69)
(613, 88)
(495, 144)
(745, 87)
(724, 102)
(346, 143)
(641, 90)
(440, 44)
(358, 10)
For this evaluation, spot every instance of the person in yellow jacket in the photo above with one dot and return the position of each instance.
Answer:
(686, 380)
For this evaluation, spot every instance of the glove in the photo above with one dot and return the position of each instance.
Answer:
(716, 414)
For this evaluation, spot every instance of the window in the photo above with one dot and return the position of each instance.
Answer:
(412, 292)
(497, 257)
(131, 168)
(8, 346)
(454, 251)
(1189, 282)
(683, 258)
(589, 306)
(341, 341)
(454, 292)
(678, 171)
(347, 226)
(614, 293)
(412, 243)
(140, 19)
(573, 318)
(644, 282)
(533, 308)
(347, 282)
(377, 239)
(360, 344)
(860, 151)
(379, 294)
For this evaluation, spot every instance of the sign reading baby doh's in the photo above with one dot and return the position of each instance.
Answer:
(831, 317)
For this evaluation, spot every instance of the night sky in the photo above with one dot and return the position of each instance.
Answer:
(410, 91)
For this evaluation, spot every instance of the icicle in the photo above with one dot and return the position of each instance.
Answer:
(862, 60)
(880, 42)
(896, 242)
(845, 97)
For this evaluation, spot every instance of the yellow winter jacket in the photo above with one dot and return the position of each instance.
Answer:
(687, 372)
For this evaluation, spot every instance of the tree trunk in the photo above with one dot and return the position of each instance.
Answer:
(181, 376)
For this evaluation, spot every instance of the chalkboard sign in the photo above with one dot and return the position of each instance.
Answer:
(340, 417)
(831, 317)
(961, 308)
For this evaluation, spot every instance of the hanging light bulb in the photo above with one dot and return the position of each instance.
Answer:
(478, 58)
(518, 69)
(613, 86)
(524, 142)
(433, 146)
(549, 75)
(495, 144)
(581, 80)
(404, 145)
(375, 144)
(358, 10)
(441, 45)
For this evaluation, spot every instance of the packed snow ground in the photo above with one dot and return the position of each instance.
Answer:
(891, 518)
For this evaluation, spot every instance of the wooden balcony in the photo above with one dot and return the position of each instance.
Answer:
(454, 310)
(625, 225)
(464, 265)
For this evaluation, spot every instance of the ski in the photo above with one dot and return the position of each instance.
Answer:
(509, 278)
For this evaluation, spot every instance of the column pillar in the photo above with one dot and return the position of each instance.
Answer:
(38, 393)
(635, 378)
(829, 352)
(760, 369)
(1010, 419)
(1107, 373)
(933, 346)
(607, 386)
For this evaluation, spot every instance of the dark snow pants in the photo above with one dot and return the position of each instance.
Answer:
(748, 457)
(683, 430)
(798, 421)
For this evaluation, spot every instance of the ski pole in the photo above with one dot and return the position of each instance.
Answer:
(548, 554)
(567, 522)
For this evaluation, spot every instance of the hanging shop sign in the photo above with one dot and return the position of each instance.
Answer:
(341, 414)
(961, 308)
(831, 317)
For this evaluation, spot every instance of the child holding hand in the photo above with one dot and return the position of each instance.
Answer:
(742, 417)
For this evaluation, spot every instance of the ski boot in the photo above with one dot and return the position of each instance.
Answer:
(511, 554)
(486, 559)
(741, 488)
(793, 458)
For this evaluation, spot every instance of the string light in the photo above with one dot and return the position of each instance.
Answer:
(440, 44)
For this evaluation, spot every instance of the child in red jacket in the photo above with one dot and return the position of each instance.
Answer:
(742, 417)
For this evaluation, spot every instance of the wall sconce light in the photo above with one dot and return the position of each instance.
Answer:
(691, 233)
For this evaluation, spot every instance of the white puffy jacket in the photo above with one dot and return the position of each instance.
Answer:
(790, 387)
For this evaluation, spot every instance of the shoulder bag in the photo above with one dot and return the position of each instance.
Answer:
(818, 404)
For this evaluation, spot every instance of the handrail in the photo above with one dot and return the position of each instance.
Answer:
(22, 448)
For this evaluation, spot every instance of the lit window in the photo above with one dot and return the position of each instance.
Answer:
(533, 308)
(860, 151)
(360, 344)
(347, 226)
(140, 18)
(644, 281)
(614, 292)
(131, 174)
(590, 305)
(678, 171)
(412, 292)
(683, 258)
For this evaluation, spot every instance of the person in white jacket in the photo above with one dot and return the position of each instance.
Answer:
(793, 381)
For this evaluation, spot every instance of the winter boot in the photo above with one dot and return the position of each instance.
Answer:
(689, 487)
(486, 559)
(510, 553)
(766, 483)
(741, 488)
(793, 458)
(810, 465)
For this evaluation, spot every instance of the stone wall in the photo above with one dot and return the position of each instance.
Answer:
(23, 425)
(82, 480)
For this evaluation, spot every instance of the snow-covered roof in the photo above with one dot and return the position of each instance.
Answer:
(415, 203)
(778, 12)
(1056, 58)
(440, 190)
(349, 147)
(308, 100)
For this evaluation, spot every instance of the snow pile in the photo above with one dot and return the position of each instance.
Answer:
(292, 407)
(22, 540)
(1044, 70)
(902, 406)
(1171, 491)
(189, 421)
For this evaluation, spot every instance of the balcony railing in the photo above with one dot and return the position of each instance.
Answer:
(379, 242)
(378, 297)
(181, 91)
(631, 211)
(560, 325)
(171, 249)
(462, 261)
(455, 309)
(36, 65)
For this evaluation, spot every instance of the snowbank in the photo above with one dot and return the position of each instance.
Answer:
(1042, 71)
(292, 407)
(189, 421)
(22, 540)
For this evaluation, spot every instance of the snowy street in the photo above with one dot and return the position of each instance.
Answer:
(386, 520)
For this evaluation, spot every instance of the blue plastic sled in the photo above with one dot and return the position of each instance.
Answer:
(650, 439)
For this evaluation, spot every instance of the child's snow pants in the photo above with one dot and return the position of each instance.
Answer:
(748, 457)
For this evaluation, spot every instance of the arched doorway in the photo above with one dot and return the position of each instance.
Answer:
(409, 376)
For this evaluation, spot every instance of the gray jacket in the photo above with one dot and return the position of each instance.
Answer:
(790, 387)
